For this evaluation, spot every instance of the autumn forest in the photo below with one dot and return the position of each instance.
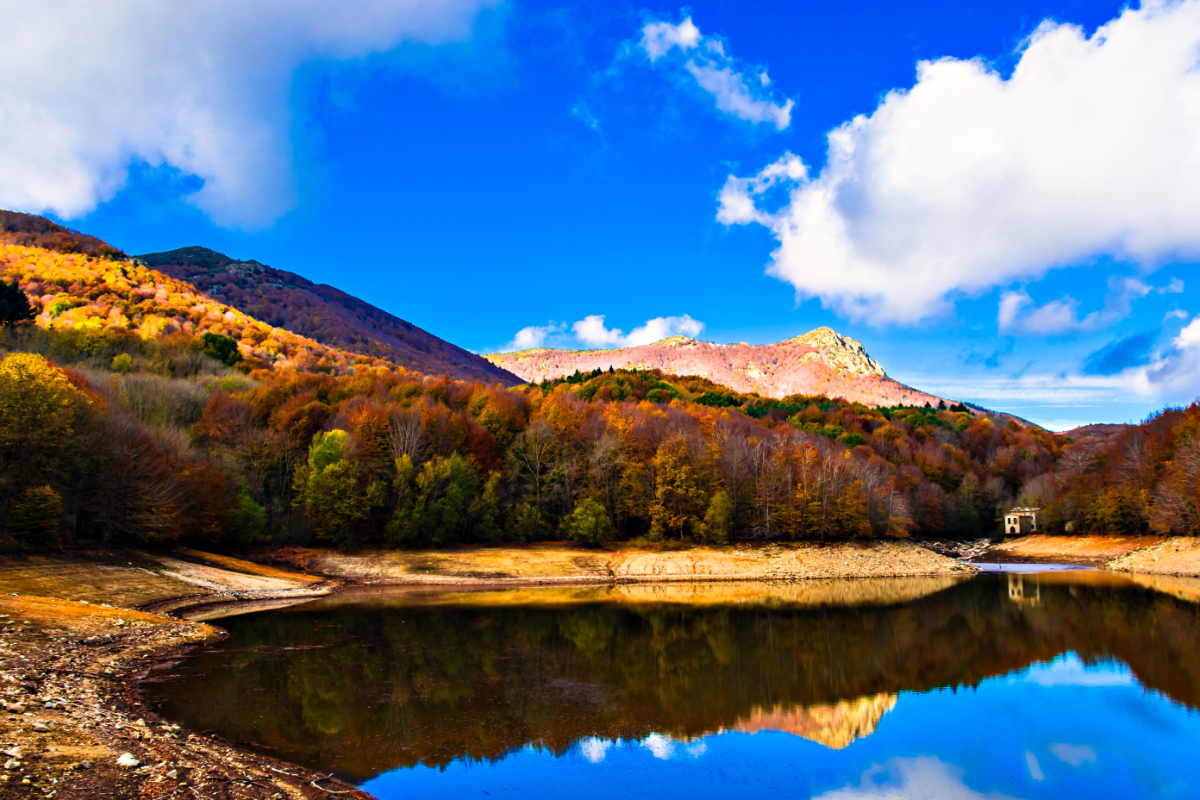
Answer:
(137, 409)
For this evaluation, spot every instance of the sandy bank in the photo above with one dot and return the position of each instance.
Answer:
(154, 581)
(558, 563)
(1149, 555)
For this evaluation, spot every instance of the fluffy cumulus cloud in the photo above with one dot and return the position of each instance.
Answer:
(535, 336)
(969, 180)
(704, 59)
(591, 332)
(87, 89)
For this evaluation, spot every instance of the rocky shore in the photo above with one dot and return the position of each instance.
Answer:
(72, 725)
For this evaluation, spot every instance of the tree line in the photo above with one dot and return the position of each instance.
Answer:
(169, 444)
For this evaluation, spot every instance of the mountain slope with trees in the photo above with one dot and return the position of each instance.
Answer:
(323, 313)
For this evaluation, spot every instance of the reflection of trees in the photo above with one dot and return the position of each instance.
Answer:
(362, 691)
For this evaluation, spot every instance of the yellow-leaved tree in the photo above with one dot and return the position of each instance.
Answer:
(41, 412)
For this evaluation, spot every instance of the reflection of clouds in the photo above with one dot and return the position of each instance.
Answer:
(1035, 769)
(659, 745)
(1068, 670)
(921, 778)
(1074, 754)
(594, 749)
(664, 746)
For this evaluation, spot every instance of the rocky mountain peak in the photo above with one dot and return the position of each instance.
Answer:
(838, 351)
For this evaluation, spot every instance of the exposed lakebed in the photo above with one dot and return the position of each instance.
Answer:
(1064, 684)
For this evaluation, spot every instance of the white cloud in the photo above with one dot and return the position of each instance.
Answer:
(1030, 389)
(704, 58)
(591, 331)
(87, 89)
(1174, 374)
(1074, 754)
(659, 37)
(582, 112)
(534, 336)
(1019, 314)
(911, 779)
(1035, 769)
(969, 181)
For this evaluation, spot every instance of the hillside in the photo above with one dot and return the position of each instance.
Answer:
(1096, 436)
(821, 362)
(109, 306)
(321, 312)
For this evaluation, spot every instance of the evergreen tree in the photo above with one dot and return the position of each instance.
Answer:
(14, 305)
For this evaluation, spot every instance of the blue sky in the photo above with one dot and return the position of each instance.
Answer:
(1019, 230)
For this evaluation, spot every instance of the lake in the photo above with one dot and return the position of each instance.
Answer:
(1028, 685)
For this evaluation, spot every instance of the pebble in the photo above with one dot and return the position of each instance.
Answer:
(12, 763)
(41, 727)
(127, 761)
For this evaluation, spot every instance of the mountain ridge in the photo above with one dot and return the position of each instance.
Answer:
(821, 361)
(321, 312)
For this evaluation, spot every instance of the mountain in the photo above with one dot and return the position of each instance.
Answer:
(321, 312)
(108, 303)
(819, 362)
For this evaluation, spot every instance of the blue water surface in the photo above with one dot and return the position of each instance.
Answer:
(1054, 730)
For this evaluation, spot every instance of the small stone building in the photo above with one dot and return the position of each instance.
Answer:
(1022, 521)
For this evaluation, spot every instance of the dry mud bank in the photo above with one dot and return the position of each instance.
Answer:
(555, 563)
(1147, 555)
(71, 722)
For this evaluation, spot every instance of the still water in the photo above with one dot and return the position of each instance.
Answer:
(1055, 685)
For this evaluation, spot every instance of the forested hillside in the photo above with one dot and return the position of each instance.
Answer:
(381, 456)
(323, 313)
(95, 296)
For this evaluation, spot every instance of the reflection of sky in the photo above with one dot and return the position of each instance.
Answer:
(1062, 729)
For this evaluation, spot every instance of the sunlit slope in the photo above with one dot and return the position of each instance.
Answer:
(821, 362)
(78, 283)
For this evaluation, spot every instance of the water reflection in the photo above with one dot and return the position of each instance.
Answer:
(367, 682)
